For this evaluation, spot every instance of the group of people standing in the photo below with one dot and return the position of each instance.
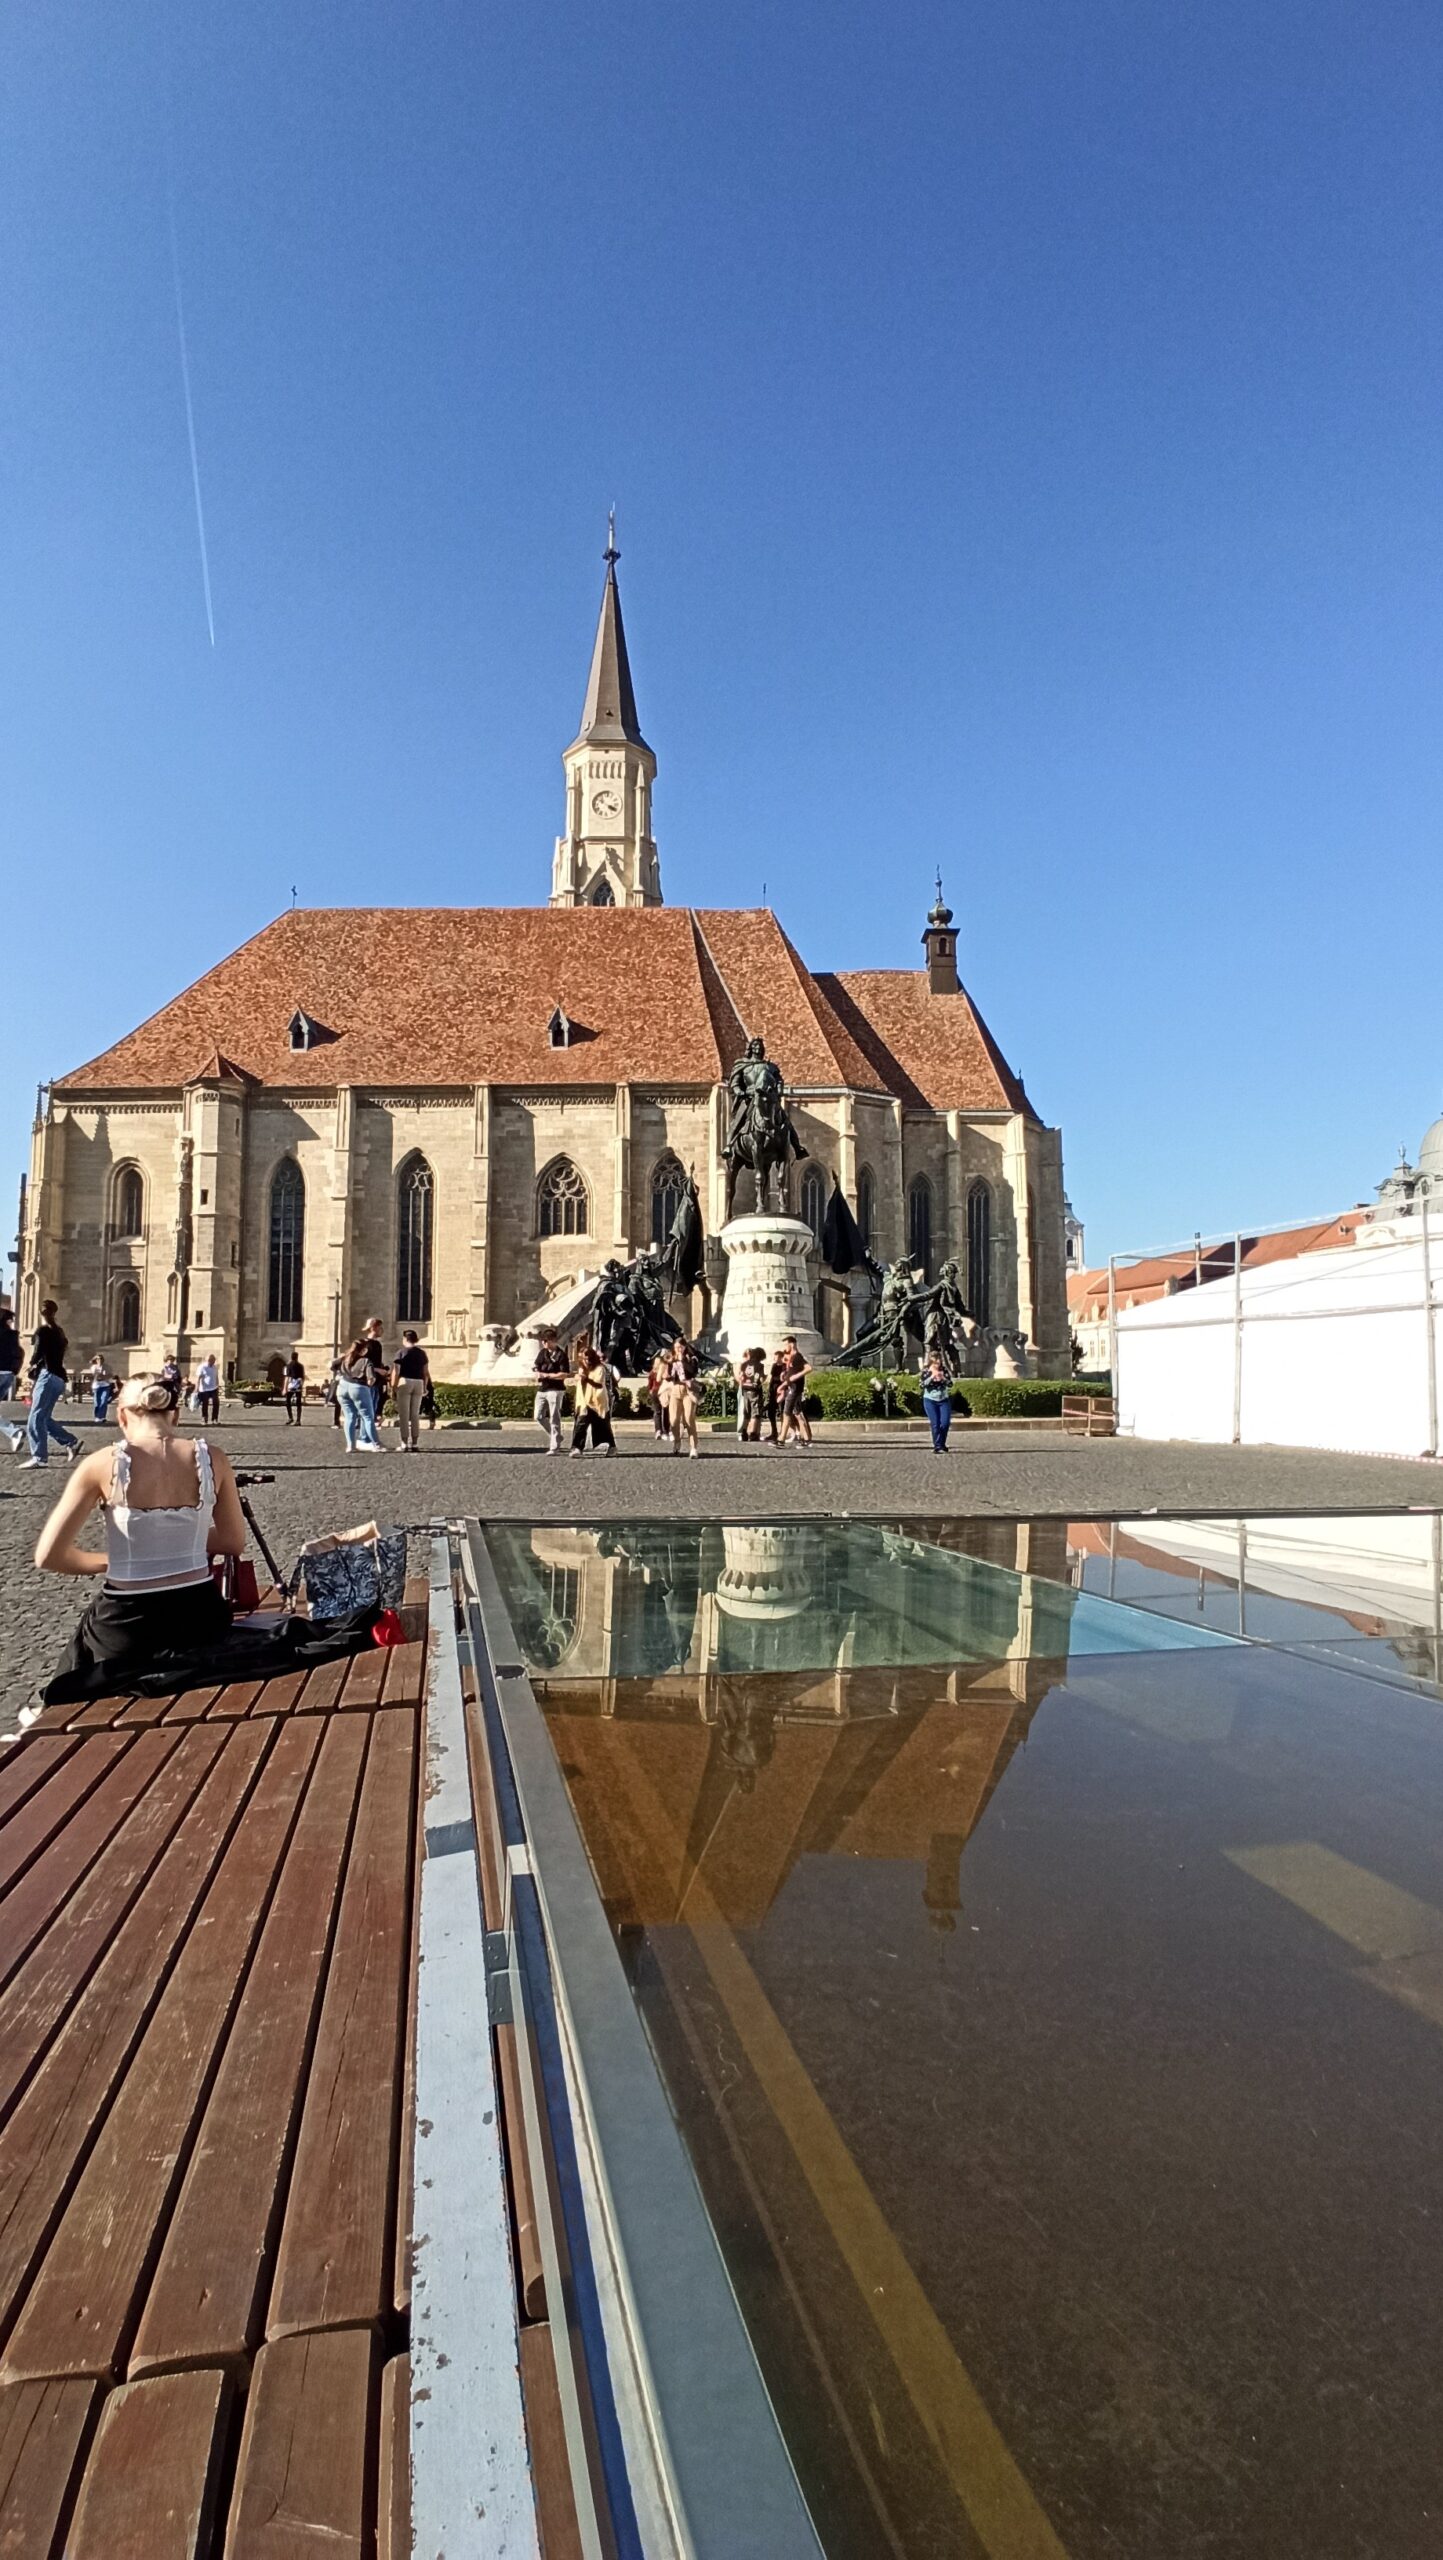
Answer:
(49, 1378)
(362, 1380)
(592, 1380)
(200, 1392)
(672, 1385)
(769, 1393)
(773, 1392)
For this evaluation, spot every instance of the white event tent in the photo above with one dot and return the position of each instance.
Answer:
(1332, 1350)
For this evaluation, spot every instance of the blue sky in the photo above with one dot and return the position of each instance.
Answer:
(1024, 425)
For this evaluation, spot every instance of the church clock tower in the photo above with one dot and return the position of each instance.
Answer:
(607, 857)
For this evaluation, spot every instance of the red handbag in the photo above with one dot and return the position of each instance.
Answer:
(235, 1578)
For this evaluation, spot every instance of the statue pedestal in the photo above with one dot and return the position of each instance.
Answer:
(768, 1292)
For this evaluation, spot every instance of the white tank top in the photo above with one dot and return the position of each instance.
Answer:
(161, 1548)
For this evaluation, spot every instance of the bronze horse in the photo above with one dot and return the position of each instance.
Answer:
(760, 1136)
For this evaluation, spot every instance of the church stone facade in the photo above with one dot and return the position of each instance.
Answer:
(316, 1132)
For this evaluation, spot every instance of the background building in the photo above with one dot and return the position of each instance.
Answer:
(441, 1116)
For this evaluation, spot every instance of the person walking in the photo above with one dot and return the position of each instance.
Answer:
(353, 1396)
(293, 1389)
(656, 1391)
(207, 1389)
(593, 1401)
(378, 1367)
(97, 1379)
(774, 1398)
(796, 1429)
(11, 1357)
(937, 1401)
(410, 1383)
(683, 1367)
(170, 1377)
(751, 1385)
(47, 1386)
(550, 1367)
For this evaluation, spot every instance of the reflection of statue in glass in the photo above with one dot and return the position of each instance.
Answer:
(942, 1892)
(546, 1619)
(663, 1587)
(747, 1733)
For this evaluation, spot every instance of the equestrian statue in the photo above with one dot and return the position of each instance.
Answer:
(760, 1133)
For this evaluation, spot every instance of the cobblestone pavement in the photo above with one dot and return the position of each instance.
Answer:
(506, 1474)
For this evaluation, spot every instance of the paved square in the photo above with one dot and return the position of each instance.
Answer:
(507, 1474)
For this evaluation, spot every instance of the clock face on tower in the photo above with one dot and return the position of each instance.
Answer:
(606, 805)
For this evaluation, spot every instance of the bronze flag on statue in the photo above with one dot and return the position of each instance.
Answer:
(843, 1248)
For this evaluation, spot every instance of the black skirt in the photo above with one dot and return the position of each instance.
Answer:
(126, 1633)
(159, 1640)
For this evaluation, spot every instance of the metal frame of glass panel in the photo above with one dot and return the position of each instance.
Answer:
(673, 2442)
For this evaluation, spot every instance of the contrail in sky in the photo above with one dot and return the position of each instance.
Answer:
(190, 422)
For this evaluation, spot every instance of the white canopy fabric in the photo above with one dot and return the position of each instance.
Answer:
(1327, 1351)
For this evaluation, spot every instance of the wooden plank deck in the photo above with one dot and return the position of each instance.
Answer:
(312, 2417)
(206, 2297)
(333, 2270)
(153, 2476)
(207, 1916)
(43, 2430)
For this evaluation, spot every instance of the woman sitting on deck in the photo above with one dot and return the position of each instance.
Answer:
(170, 1504)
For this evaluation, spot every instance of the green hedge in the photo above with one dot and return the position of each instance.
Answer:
(489, 1404)
(993, 1398)
(833, 1395)
(841, 1395)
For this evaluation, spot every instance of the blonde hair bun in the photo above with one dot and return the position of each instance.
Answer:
(146, 1395)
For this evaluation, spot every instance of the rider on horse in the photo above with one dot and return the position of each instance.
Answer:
(759, 1131)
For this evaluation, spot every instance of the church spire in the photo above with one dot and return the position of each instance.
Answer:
(940, 944)
(610, 709)
(607, 856)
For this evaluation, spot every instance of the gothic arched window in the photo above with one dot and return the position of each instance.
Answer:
(127, 1216)
(126, 1313)
(603, 895)
(667, 1185)
(919, 1224)
(867, 1208)
(979, 1252)
(561, 1201)
(814, 1200)
(415, 1240)
(287, 1255)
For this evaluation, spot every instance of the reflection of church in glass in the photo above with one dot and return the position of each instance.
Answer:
(728, 1699)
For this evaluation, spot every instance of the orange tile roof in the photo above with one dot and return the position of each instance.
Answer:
(775, 994)
(464, 995)
(935, 1051)
(441, 995)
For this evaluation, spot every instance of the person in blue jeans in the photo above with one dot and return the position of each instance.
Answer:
(353, 1398)
(98, 1379)
(937, 1401)
(47, 1386)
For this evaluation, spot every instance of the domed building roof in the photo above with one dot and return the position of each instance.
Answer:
(1430, 1154)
